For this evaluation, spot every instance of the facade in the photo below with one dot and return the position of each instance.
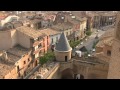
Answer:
(15, 63)
(30, 38)
(54, 35)
(114, 66)
(63, 49)
(89, 23)
(66, 27)
(27, 37)
(83, 26)
(104, 46)
(37, 22)
(103, 19)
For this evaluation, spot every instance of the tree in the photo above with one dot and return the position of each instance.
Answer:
(47, 57)
(88, 33)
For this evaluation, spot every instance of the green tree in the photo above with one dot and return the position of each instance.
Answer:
(88, 33)
(47, 57)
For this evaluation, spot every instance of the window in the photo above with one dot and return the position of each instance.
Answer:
(47, 37)
(28, 65)
(66, 33)
(40, 52)
(56, 39)
(25, 73)
(109, 53)
(24, 62)
(18, 68)
(28, 59)
(52, 40)
(47, 42)
(40, 45)
(33, 56)
(19, 74)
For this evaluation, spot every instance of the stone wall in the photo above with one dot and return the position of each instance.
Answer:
(60, 56)
(114, 69)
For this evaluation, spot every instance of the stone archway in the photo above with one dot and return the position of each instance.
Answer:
(67, 74)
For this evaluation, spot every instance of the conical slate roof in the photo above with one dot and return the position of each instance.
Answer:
(63, 44)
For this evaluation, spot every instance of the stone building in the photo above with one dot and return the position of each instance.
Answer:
(27, 37)
(15, 63)
(103, 19)
(66, 27)
(104, 46)
(114, 72)
(78, 23)
(71, 68)
(53, 34)
(63, 49)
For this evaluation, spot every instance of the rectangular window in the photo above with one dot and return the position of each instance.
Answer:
(40, 52)
(33, 56)
(28, 59)
(24, 62)
(66, 33)
(47, 42)
(28, 65)
(18, 74)
(18, 68)
(43, 39)
(40, 45)
(52, 40)
(56, 39)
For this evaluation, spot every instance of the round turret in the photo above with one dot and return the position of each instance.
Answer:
(63, 49)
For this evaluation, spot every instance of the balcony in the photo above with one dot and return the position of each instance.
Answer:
(37, 50)
(36, 43)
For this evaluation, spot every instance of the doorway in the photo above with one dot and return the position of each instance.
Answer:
(35, 63)
(65, 58)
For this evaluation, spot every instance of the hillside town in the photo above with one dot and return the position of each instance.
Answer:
(59, 44)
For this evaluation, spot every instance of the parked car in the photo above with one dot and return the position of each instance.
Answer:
(89, 55)
(93, 50)
(81, 43)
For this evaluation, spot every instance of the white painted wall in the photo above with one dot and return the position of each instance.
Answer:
(9, 19)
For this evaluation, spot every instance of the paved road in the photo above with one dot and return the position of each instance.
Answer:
(91, 40)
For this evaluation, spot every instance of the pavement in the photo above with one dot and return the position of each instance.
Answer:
(89, 43)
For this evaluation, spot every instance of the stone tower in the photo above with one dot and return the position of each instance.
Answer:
(63, 49)
(114, 66)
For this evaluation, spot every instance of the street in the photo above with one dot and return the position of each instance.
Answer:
(89, 43)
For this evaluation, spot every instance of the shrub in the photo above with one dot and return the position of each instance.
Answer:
(73, 44)
(47, 57)
(88, 33)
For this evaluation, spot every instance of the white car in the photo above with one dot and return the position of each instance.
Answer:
(89, 55)
(93, 50)
(81, 43)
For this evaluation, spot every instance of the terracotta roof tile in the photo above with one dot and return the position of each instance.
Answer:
(29, 31)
